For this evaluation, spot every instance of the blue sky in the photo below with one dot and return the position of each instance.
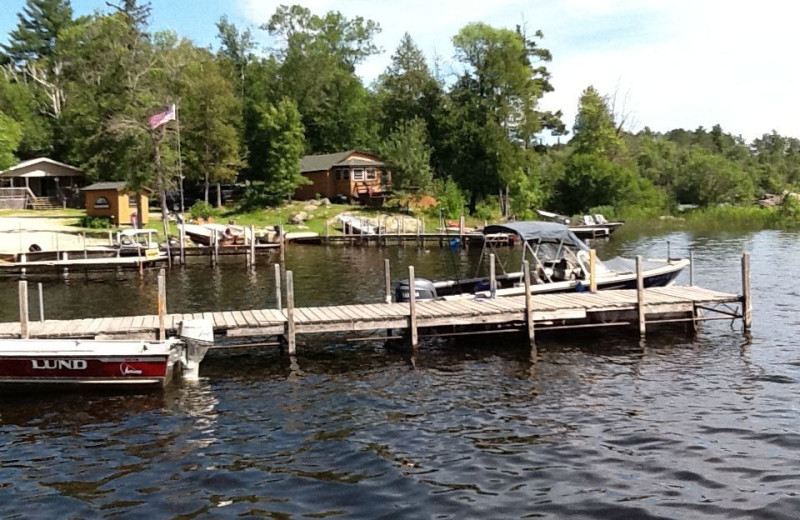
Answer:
(667, 63)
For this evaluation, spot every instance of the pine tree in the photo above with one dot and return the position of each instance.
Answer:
(38, 28)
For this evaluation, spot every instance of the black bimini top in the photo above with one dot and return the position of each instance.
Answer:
(535, 231)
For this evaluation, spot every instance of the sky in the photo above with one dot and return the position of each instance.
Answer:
(666, 63)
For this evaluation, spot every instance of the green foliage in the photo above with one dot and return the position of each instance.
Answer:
(202, 209)
(38, 28)
(10, 135)
(276, 165)
(408, 155)
(488, 209)
(95, 222)
(451, 198)
(706, 178)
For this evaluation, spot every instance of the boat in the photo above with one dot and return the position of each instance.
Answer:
(589, 227)
(62, 362)
(226, 235)
(559, 262)
(138, 242)
(43, 364)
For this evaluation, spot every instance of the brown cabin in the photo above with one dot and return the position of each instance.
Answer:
(115, 201)
(40, 183)
(354, 174)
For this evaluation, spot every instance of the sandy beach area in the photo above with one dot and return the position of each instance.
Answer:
(18, 234)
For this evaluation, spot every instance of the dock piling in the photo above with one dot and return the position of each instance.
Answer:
(23, 309)
(747, 304)
(253, 247)
(278, 285)
(162, 304)
(41, 303)
(640, 296)
(290, 326)
(387, 280)
(691, 268)
(282, 244)
(492, 277)
(528, 304)
(412, 307)
(593, 270)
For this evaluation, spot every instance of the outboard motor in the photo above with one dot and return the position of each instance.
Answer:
(423, 290)
(199, 337)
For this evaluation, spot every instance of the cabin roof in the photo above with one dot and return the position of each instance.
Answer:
(324, 162)
(15, 170)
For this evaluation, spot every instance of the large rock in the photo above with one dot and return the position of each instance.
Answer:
(298, 218)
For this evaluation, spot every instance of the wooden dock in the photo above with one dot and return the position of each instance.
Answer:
(549, 311)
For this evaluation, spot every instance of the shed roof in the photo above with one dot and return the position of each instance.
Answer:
(11, 172)
(322, 162)
(110, 185)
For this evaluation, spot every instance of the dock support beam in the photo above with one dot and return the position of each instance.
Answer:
(41, 303)
(747, 304)
(290, 329)
(412, 308)
(640, 296)
(387, 283)
(162, 305)
(526, 268)
(23, 309)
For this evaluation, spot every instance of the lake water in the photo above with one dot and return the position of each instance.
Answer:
(595, 426)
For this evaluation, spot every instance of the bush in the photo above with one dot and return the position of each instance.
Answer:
(95, 222)
(451, 199)
(202, 209)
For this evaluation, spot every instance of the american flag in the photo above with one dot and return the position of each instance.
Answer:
(168, 114)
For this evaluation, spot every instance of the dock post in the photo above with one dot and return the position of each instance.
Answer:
(593, 270)
(110, 239)
(387, 282)
(747, 304)
(182, 238)
(290, 335)
(412, 307)
(278, 285)
(162, 304)
(691, 267)
(640, 295)
(492, 277)
(85, 252)
(253, 248)
(528, 304)
(282, 244)
(419, 236)
(327, 228)
(41, 303)
(23, 309)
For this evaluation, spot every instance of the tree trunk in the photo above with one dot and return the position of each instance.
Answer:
(205, 188)
(219, 195)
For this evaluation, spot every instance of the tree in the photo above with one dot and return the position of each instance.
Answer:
(39, 25)
(317, 60)
(408, 155)
(494, 112)
(280, 145)
(210, 112)
(10, 135)
(237, 48)
(407, 89)
(706, 178)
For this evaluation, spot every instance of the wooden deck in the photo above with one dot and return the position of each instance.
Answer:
(565, 310)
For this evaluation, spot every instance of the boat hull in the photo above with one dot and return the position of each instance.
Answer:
(47, 364)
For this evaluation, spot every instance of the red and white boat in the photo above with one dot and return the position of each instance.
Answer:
(66, 362)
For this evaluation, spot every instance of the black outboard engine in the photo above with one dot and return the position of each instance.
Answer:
(423, 290)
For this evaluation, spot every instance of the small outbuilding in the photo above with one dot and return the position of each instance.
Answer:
(354, 174)
(115, 201)
(41, 183)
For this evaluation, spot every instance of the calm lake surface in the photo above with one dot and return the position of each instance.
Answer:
(595, 426)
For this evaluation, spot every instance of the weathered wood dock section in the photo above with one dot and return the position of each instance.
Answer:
(550, 311)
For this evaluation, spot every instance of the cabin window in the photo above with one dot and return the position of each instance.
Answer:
(101, 203)
(371, 174)
(358, 175)
(337, 175)
(345, 175)
(131, 201)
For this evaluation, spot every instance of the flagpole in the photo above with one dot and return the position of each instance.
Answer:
(180, 162)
